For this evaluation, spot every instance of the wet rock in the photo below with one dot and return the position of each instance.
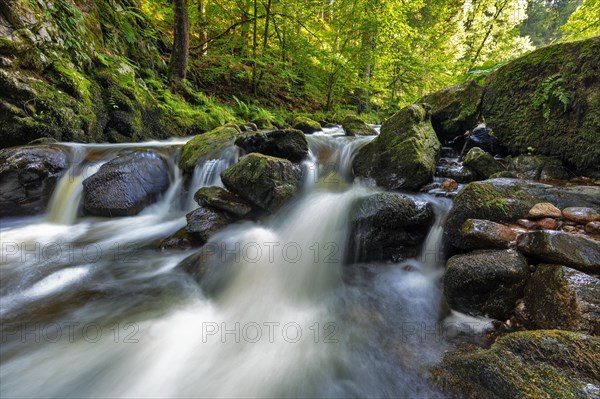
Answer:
(126, 184)
(306, 125)
(528, 224)
(209, 145)
(223, 200)
(289, 144)
(534, 364)
(405, 153)
(483, 137)
(28, 176)
(581, 214)
(547, 224)
(388, 227)
(454, 169)
(559, 297)
(449, 185)
(483, 163)
(578, 252)
(265, 182)
(181, 240)
(544, 210)
(538, 168)
(354, 126)
(484, 234)
(504, 174)
(485, 282)
(507, 200)
(593, 227)
(204, 222)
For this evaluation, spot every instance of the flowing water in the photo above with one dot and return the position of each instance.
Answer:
(89, 306)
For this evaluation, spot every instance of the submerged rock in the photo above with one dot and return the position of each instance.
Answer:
(126, 184)
(388, 227)
(289, 144)
(354, 126)
(563, 298)
(563, 248)
(405, 153)
(484, 234)
(221, 199)
(266, 182)
(208, 145)
(485, 282)
(306, 125)
(28, 176)
(483, 163)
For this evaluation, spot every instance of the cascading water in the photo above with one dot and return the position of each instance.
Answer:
(94, 310)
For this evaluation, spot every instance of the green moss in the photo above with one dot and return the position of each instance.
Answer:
(305, 124)
(207, 146)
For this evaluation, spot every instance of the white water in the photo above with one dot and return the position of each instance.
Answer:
(277, 314)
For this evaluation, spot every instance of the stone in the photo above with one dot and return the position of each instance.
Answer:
(484, 234)
(126, 184)
(290, 144)
(204, 222)
(483, 163)
(487, 282)
(593, 227)
(559, 247)
(581, 215)
(455, 170)
(544, 210)
(528, 224)
(354, 126)
(220, 199)
(449, 185)
(547, 224)
(306, 125)
(209, 145)
(559, 297)
(180, 240)
(536, 167)
(405, 153)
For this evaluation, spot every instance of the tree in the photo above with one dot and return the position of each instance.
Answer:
(181, 43)
(584, 22)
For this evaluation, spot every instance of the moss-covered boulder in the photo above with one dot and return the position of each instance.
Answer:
(223, 200)
(507, 200)
(528, 364)
(288, 143)
(306, 125)
(483, 163)
(206, 146)
(405, 153)
(563, 298)
(454, 110)
(354, 126)
(537, 167)
(28, 176)
(266, 182)
(486, 283)
(549, 100)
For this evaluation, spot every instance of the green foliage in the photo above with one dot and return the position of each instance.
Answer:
(584, 22)
(549, 93)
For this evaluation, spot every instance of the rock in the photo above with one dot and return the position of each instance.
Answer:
(204, 222)
(354, 126)
(454, 110)
(405, 153)
(449, 185)
(538, 168)
(528, 224)
(485, 282)
(504, 174)
(521, 103)
(306, 125)
(593, 227)
(506, 200)
(581, 215)
(209, 145)
(181, 240)
(558, 297)
(484, 234)
(266, 182)
(483, 137)
(547, 224)
(388, 227)
(126, 184)
(289, 144)
(28, 176)
(483, 163)
(578, 252)
(527, 364)
(220, 199)
(544, 210)
(454, 170)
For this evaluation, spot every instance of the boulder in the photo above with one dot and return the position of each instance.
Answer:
(354, 126)
(567, 249)
(544, 210)
(485, 282)
(506, 200)
(209, 145)
(28, 176)
(484, 234)
(289, 144)
(220, 199)
(204, 222)
(482, 137)
(483, 163)
(405, 153)
(306, 125)
(388, 227)
(527, 364)
(559, 297)
(454, 110)
(548, 100)
(126, 184)
(581, 215)
(265, 182)
(538, 167)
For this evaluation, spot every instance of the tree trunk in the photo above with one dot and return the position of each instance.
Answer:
(181, 43)
(203, 26)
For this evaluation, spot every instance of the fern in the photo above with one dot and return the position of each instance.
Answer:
(550, 92)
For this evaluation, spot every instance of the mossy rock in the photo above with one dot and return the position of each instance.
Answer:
(528, 364)
(206, 146)
(354, 126)
(482, 162)
(549, 100)
(405, 153)
(285, 143)
(306, 125)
